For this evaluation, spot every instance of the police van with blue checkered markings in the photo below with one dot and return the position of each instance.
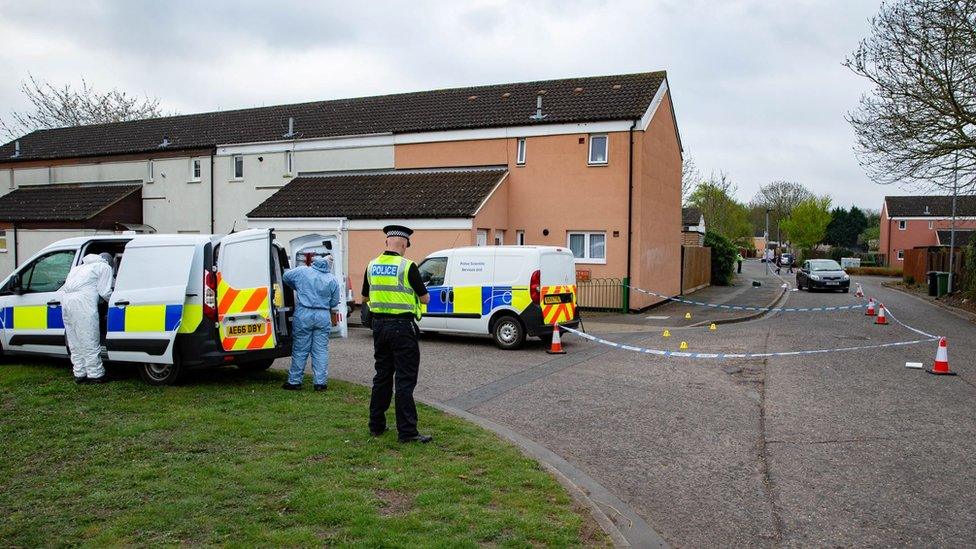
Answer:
(166, 312)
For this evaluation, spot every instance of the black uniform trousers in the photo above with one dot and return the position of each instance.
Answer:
(397, 353)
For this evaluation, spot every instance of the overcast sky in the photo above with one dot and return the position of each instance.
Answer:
(758, 86)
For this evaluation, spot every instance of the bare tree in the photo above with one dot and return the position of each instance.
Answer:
(780, 197)
(61, 106)
(690, 177)
(919, 119)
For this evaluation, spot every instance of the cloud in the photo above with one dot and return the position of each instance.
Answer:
(757, 85)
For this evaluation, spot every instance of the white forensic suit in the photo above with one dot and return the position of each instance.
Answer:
(79, 306)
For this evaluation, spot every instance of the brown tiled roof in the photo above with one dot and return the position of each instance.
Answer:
(590, 99)
(61, 202)
(962, 237)
(930, 206)
(690, 217)
(381, 195)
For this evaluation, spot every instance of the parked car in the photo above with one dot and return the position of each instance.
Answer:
(179, 301)
(508, 292)
(822, 274)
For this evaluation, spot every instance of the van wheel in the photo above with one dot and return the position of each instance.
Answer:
(255, 366)
(508, 332)
(161, 374)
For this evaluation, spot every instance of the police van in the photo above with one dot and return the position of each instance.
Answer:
(179, 301)
(508, 292)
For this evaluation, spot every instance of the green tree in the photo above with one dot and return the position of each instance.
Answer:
(723, 214)
(807, 224)
(723, 258)
(838, 230)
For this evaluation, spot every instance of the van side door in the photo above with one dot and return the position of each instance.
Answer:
(245, 316)
(432, 272)
(146, 308)
(31, 314)
(470, 285)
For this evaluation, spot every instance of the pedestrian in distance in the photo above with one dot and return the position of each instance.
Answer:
(393, 293)
(738, 259)
(79, 297)
(316, 299)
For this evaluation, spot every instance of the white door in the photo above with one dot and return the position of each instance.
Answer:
(146, 308)
(31, 316)
(244, 312)
(482, 238)
(305, 249)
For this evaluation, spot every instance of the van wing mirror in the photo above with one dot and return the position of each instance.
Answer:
(327, 244)
(16, 285)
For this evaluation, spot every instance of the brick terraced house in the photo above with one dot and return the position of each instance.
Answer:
(592, 164)
(914, 221)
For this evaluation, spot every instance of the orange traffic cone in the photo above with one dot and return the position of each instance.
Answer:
(870, 309)
(882, 320)
(941, 365)
(557, 346)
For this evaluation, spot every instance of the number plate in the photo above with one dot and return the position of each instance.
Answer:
(245, 329)
(552, 299)
(833, 283)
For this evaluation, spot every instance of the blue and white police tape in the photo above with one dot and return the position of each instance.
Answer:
(685, 354)
(892, 316)
(748, 308)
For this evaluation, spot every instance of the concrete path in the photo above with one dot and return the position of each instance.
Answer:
(833, 449)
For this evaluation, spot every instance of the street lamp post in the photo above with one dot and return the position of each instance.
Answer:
(765, 258)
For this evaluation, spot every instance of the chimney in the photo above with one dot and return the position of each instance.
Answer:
(291, 127)
(538, 109)
(16, 149)
(165, 142)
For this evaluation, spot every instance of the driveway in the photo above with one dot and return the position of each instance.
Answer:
(840, 449)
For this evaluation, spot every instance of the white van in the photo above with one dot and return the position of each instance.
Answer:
(508, 292)
(179, 301)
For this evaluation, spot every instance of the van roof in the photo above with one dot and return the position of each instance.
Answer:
(81, 240)
(510, 249)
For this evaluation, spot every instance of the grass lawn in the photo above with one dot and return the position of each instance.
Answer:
(233, 459)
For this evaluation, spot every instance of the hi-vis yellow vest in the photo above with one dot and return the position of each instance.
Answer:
(389, 289)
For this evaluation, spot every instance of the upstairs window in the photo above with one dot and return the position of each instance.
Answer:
(520, 152)
(3, 242)
(196, 169)
(238, 160)
(598, 149)
(520, 238)
(289, 162)
(150, 172)
(902, 225)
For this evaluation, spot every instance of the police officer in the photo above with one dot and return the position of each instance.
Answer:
(394, 291)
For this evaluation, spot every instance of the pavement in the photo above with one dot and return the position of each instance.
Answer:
(847, 448)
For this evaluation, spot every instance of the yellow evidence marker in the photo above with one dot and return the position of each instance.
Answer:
(667, 333)
(683, 346)
(712, 327)
(687, 316)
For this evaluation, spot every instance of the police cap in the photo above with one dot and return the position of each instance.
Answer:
(398, 230)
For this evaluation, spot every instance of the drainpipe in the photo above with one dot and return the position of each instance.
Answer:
(630, 212)
(16, 243)
(212, 220)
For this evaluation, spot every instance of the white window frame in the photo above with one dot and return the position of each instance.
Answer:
(520, 238)
(520, 151)
(499, 237)
(606, 152)
(289, 163)
(194, 164)
(900, 255)
(902, 225)
(586, 247)
(150, 171)
(481, 237)
(233, 167)
(3, 235)
(931, 225)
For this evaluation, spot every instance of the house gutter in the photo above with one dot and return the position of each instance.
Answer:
(630, 211)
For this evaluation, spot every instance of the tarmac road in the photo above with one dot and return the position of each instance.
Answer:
(840, 449)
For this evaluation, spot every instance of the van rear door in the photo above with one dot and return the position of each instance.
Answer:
(557, 285)
(244, 291)
(146, 308)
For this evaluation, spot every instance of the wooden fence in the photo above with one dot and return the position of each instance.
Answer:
(696, 268)
(919, 261)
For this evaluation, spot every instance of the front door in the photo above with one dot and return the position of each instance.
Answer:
(244, 286)
(32, 320)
